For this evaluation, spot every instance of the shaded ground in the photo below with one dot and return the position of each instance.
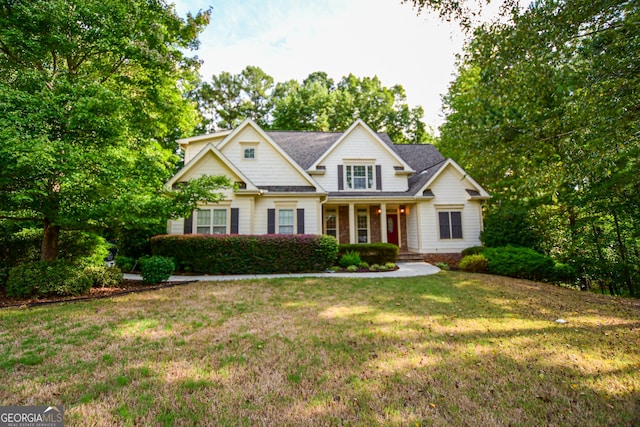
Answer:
(448, 349)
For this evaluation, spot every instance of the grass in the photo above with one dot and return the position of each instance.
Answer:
(449, 349)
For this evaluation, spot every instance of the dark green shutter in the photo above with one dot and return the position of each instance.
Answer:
(188, 224)
(271, 221)
(443, 219)
(378, 177)
(340, 178)
(456, 225)
(235, 216)
(300, 213)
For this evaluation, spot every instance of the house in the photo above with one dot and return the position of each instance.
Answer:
(357, 186)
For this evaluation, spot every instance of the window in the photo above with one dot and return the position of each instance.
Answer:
(211, 221)
(362, 225)
(331, 222)
(359, 177)
(285, 221)
(450, 224)
(250, 153)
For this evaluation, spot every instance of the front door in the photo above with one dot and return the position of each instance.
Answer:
(392, 228)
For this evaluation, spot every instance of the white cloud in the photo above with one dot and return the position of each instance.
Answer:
(289, 39)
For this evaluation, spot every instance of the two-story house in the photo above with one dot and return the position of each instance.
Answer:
(355, 185)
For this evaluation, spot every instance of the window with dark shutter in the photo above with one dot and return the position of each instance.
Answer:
(443, 220)
(271, 221)
(300, 220)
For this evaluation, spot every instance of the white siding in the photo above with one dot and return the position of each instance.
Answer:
(360, 144)
(311, 206)
(450, 193)
(193, 148)
(268, 168)
(210, 165)
(175, 226)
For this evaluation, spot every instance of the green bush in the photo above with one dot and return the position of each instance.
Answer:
(349, 259)
(390, 265)
(524, 263)
(371, 253)
(352, 268)
(109, 277)
(44, 278)
(442, 265)
(563, 273)
(156, 269)
(248, 254)
(125, 263)
(473, 250)
(474, 263)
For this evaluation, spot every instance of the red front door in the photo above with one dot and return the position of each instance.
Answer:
(392, 228)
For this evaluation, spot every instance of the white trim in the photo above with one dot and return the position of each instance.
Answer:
(375, 136)
(450, 162)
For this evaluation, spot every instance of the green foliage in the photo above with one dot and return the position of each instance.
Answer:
(91, 104)
(125, 263)
(349, 259)
(352, 268)
(83, 249)
(474, 263)
(371, 253)
(543, 113)
(156, 269)
(442, 265)
(316, 104)
(526, 263)
(247, 254)
(44, 278)
(102, 276)
(473, 250)
(390, 265)
(508, 225)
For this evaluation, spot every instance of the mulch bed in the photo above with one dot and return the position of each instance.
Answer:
(126, 287)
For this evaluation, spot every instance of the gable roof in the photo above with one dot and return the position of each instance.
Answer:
(431, 174)
(277, 147)
(210, 148)
(376, 137)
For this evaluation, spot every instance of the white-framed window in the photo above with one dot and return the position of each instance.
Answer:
(286, 221)
(362, 225)
(450, 224)
(331, 222)
(359, 177)
(249, 153)
(212, 221)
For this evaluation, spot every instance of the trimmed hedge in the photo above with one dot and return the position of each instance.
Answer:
(156, 269)
(371, 253)
(247, 254)
(525, 263)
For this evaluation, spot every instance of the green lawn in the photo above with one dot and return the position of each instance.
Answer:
(448, 349)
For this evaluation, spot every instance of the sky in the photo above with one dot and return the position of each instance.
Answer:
(289, 39)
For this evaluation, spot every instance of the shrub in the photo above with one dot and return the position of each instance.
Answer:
(125, 263)
(390, 265)
(474, 263)
(109, 277)
(563, 273)
(473, 250)
(352, 268)
(524, 263)
(248, 254)
(371, 253)
(156, 269)
(442, 265)
(43, 278)
(374, 267)
(349, 259)
(83, 248)
(363, 265)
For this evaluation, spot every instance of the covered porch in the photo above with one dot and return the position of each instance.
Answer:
(362, 222)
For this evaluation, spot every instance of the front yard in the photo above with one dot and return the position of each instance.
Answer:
(449, 349)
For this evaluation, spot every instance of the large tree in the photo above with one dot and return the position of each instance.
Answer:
(315, 104)
(545, 113)
(90, 106)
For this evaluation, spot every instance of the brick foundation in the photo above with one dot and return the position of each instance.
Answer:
(452, 259)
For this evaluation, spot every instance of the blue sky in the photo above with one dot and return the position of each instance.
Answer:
(289, 39)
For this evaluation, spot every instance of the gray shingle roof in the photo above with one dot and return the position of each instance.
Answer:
(307, 147)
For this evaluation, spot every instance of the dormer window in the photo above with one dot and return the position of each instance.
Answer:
(359, 177)
(249, 150)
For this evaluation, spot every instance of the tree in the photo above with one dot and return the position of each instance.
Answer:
(90, 106)
(316, 104)
(544, 112)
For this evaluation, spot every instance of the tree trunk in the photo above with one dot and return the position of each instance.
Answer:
(51, 237)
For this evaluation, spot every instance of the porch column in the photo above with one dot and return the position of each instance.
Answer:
(352, 223)
(383, 222)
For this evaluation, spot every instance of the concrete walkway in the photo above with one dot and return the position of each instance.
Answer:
(405, 269)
